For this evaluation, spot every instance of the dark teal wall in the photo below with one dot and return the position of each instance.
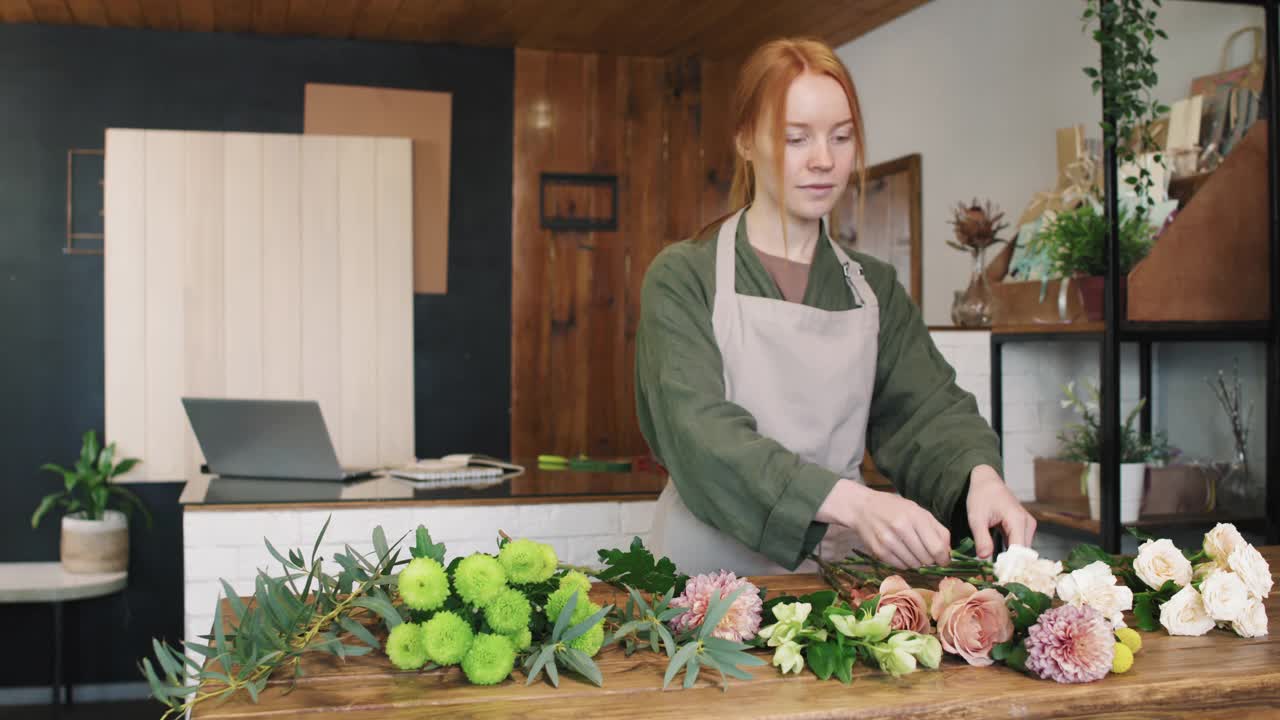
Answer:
(60, 87)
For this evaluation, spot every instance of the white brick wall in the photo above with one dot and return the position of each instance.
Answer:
(229, 544)
(969, 352)
(1034, 374)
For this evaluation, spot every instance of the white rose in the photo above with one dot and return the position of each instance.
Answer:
(1252, 568)
(1225, 596)
(1184, 613)
(1221, 541)
(1021, 564)
(1095, 585)
(1253, 621)
(1159, 561)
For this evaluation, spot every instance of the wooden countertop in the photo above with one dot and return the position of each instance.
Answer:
(208, 493)
(1213, 676)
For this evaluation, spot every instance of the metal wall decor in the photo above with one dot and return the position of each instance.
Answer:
(578, 202)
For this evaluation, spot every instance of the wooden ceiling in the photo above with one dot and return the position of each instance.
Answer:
(660, 28)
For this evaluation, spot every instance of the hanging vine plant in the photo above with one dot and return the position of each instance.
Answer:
(1126, 31)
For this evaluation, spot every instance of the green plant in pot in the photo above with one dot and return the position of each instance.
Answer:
(95, 537)
(1082, 443)
(1073, 244)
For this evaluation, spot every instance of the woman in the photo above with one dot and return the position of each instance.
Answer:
(768, 359)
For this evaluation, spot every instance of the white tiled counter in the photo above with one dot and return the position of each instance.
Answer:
(224, 541)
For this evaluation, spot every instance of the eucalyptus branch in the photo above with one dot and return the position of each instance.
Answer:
(278, 626)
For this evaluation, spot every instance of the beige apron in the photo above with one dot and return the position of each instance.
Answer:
(806, 375)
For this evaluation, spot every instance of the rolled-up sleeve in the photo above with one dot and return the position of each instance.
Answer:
(728, 474)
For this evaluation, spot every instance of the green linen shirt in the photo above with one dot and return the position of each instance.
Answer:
(924, 432)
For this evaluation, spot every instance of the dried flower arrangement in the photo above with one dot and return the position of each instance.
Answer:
(977, 226)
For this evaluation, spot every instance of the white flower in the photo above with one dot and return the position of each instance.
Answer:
(1221, 541)
(1253, 621)
(1159, 561)
(788, 658)
(1094, 585)
(1184, 613)
(1021, 564)
(1225, 596)
(791, 617)
(1252, 568)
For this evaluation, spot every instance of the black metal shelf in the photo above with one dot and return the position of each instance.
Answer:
(1116, 329)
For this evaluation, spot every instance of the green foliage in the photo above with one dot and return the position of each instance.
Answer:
(1126, 31)
(87, 487)
(557, 650)
(638, 568)
(1082, 555)
(1082, 441)
(282, 622)
(1146, 605)
(642, 624)
(701, 649)
(1074, 241)
(1025, 605)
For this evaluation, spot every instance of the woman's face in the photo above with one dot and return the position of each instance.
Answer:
(817, 156)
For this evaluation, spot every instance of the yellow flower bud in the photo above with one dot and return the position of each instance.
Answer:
(1123, 659)
(1130, 638)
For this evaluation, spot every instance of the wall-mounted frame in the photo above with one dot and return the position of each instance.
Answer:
(71, 248)
(578, 202)
(890, 226)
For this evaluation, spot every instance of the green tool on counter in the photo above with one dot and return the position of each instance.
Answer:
(582, 463)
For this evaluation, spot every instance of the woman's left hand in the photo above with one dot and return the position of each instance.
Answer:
(990, 504)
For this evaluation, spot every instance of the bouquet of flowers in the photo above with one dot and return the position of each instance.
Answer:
(520, 606)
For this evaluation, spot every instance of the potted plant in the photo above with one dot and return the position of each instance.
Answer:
(95, 539)
(1073, 245)
(1081, 442)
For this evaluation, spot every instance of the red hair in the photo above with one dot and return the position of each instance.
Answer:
(763, 82)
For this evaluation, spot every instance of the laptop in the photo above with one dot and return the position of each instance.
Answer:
(273, 439)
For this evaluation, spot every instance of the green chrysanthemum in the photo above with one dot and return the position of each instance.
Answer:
(557, 600)
(479, 578)
(404, 646)
(549, 560)
(525, 562)
(508, 612)
(490, 659)
(590, 641)
(522, 639)
(447, 638)
(573, 578)
(423, 584)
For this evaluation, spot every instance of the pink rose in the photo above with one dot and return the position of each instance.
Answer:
(911, 613)
(950, 590)
(971, 626)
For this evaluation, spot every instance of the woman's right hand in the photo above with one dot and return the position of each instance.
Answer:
(887, 526)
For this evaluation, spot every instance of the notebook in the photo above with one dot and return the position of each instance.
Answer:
(461, 469)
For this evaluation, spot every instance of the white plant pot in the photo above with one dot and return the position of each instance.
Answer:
(95, 546)
(1133, 478)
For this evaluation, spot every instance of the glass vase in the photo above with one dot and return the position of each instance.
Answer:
(973, 305)
(1237, 492)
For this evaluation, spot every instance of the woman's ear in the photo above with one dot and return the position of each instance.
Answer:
(743, 147)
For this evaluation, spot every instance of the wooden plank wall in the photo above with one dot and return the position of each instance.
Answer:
(257, 266)
(663, 128)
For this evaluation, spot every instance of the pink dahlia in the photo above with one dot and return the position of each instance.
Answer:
(738, 625)
(1071, 644)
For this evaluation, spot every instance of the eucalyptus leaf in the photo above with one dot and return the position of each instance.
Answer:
(584, 666)
(691, 672)
(553, 673)
(380, 542)
(384, 609)
(358, 630)
(716, 610)
(577, 630)
(682, 656)
(565, 616)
